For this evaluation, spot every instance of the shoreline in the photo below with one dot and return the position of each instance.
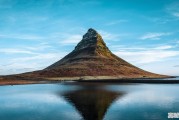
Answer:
(132, 81)
(89, 79)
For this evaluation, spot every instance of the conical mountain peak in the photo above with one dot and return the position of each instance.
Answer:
(90, 35)
(91, 57)
(91, 40)
(91, 32)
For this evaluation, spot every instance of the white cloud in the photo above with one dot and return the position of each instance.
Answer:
(176, 14)
(71, 39)
(36, 57)
(39, 47)
(143, 55)
(108, 36)
(22, 36)
(154, 36)
(160, 20)
(147, 56)
(35, 49)
(116, 22)
(31, 63)
(15, 51)
(173, 9)
(164, 47)
(132, 48)
(18, 67)
(176, 66)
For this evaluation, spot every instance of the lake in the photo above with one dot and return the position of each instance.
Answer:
(88, 101)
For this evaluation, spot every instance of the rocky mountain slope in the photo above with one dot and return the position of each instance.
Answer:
(91, 57)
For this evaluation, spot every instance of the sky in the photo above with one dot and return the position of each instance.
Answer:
(36, 33)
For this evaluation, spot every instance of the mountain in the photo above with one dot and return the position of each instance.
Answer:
(91, 57)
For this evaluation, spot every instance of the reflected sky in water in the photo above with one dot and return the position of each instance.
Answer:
(88, 101)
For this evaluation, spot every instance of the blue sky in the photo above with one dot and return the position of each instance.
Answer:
(37, 33)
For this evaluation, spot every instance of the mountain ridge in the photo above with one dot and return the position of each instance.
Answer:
(90, 60)
(91, 57)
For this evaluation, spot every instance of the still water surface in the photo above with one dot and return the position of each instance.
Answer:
(87, 101)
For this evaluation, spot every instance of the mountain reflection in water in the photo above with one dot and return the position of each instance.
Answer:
(97, 101)
(92, 102)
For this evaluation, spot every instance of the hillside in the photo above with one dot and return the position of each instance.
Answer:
(91, 57)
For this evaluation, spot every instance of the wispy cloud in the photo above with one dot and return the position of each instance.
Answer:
(164, 47)
(124, 48)
(173, 9)
(116, 22)
(143, 55)
(176, 66)
(22, 36)
(40, 47)
(30, 63)
(15, 51)
(27, 49)
(28, 58)
(40, 56)
(161, 20)
(140, 57)
(176, 14)
(109, 36)
(71, 39)
(154, 36)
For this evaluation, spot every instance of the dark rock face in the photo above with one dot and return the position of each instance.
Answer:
(91, 57)
(92, 45)
(89, 40)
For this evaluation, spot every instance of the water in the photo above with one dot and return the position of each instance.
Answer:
(88, 101)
